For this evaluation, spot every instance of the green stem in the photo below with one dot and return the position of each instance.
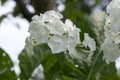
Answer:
(92, 68)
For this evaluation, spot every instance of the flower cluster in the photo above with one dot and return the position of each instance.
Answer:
(112, 32)
(49, 28)
(60, 36)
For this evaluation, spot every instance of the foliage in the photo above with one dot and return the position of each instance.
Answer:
(6, 67)
(65, 53)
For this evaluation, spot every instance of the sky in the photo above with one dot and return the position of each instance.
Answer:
(13, 32)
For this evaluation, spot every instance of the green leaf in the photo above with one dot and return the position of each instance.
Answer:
(29, 61)
(100, 70)
(74, 72)
(50, 62)
(17, 11)
(68, 78)
(109, 72)
(2, 17)
(96, 2)
(58, 66)
(53, 66)
(3, 1)
(6, 65)
(70, 65)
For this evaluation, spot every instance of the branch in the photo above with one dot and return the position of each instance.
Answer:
(43, 5)
(24, 10)
(40, 6)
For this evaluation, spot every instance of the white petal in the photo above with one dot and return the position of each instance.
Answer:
(111, 51)
(29, 46)
(68, 25)
(54, 14)
(88, 41)
(39, 32)
(56, 27)
(58, 43)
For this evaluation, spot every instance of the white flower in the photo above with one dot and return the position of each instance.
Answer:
(49, 28)
(39, 32)
(81, 55)
(111, 51)
(56, 27)
(89, 42)
(113, 6)
(75, 54)
(113, 10)
(42, 18)
(73, 35)
(57, 43)
(97, 19)
(53, 14)
(73, 41)
(112, 32)
(48, 16)
(29, 45)
(71, 46)
(114, 24)
(36, 18)
(68, 25)
(117, 38)
(38, 73)
(73, 32)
